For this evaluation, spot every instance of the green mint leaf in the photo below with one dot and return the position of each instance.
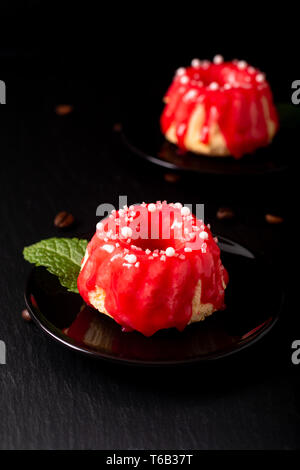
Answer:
(61, 256)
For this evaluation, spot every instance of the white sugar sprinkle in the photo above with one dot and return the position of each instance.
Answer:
(131, 259)
(196, 63)
(218, 59)
(242, 64)
(180, 71)
(127, 265)
(152, 208)
(185, 211)
(108, 248)
(99, 226)
(203, 235)
(260, 77)
(184, 79)
(178, 205)
(170, 251)
(214, 86)
(148, 251)
(126, 232)
(137, 264)
(187, 249)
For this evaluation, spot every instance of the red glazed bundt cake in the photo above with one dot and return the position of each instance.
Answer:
(153, 266)
(219, 109)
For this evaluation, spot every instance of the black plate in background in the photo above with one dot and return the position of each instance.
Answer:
(141, 133)
(253, 298)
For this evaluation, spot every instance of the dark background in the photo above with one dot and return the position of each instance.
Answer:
(103, 63)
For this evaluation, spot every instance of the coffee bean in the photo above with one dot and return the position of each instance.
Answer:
(225, 213)
(63, 219)
(63, 109)
(274, 219)
(26, 315)
(171, 177)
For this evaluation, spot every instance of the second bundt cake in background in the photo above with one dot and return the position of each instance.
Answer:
(219, 109)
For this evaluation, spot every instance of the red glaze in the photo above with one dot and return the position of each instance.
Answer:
(153, 291)
(236, 104)
(80, 325)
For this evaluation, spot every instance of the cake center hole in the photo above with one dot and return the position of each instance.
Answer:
(157, 243)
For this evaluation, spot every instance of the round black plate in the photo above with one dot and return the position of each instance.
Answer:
(253, 302)
(141, 133)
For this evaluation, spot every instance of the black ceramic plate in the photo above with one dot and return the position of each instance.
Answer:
(253, 303)
(141, 133)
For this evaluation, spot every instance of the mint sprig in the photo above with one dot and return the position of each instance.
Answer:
(61, 256)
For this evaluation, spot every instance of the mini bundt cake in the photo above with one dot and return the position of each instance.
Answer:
(219, 109)
(153, 266)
